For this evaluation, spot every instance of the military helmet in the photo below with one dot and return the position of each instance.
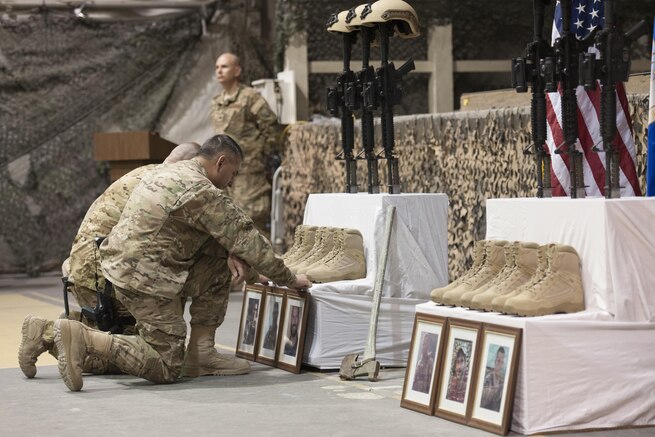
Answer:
(337, 23)
(398, 12)
(354, 18)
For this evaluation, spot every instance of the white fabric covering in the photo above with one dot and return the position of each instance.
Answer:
(418, 254)
(593, 369)
(613, 238)
(340, 311)
(577, 371)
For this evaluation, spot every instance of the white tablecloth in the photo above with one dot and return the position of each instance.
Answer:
(613, 237)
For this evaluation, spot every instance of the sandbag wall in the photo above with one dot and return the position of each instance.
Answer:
(470, 156)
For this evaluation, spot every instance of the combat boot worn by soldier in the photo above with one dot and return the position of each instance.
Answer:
(494, 261)
(526, 265)
(498, 302)
(38, 337)
(345, 262)
(479, 251)
(201, 357)
(510, 266)
(560, 291)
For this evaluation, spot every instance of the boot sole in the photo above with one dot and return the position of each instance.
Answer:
(567, 308)
(194, 372)
(27, 371)
(63, 341)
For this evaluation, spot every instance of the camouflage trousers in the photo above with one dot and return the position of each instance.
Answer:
(156, 353)
(252, 193)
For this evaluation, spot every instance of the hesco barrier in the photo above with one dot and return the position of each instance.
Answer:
(470, 156)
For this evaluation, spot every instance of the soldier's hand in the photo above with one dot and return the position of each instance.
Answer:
(238, 268)
(301, 282)
(263, 280)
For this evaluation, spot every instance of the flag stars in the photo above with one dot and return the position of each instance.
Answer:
(592, 27)
(579, 23)
(594, 14)
(581, 8)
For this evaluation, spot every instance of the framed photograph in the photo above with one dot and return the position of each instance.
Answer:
(423, 363)
(294, 324)
(250, 321)
(495, 378)
(269, 330)
(455, 377)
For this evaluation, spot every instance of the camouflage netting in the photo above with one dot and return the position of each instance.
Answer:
(61, 80)
(470, 156)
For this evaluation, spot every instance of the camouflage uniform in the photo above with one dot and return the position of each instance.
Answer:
(248, 119)
(99, 220)
(159, 252)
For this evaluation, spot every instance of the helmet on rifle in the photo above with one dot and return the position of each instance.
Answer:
(337, 23)
(354, 21)
(398, 12)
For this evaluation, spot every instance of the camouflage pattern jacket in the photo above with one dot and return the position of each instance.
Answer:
(99, 220)
(166, 221)
(246, 117)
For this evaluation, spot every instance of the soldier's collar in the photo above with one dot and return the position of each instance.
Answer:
(232, 98)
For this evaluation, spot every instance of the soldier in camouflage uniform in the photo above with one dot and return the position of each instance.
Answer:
(83, 267)
(154, 257)
(242, 113)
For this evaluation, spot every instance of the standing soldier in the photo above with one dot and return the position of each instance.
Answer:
(242, 113)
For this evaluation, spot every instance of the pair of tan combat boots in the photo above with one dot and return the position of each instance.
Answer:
(518, 278)
(327, 254)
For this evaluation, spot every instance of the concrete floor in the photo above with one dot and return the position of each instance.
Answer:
(266, 402)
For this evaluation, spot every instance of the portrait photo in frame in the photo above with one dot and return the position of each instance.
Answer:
(269, 329)
(423, 363)
(495, 378)
(251, 316)
(456, 374)
(294, 324)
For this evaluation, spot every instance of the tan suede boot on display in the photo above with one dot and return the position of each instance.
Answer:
(303, 241)
(345, 262)
(307, 250)
(37, 338)
(526, 265)
(494, 261)
(560, 291)
(508, 268)
(75, 342)
(201, 357)
(321, 249)
(479, 250)
(498, 303)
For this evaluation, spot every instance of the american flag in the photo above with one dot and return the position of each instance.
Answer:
(587, 15)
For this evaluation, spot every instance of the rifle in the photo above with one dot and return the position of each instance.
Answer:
(530, 67)
(566, 68)
(369, 92)
(613, 66)
(388, 79)
(342, 98)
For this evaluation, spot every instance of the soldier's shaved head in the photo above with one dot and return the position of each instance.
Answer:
(231, 58)
(221, 144)
(183, 152)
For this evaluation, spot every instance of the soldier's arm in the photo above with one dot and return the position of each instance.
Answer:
(235, 231)
(266, 121)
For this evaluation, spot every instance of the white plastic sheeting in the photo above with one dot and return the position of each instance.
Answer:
(613, 237)
(338, 326)
(418, 255)
(576, 371)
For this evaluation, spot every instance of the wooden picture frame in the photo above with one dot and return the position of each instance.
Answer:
(269, 328)
(495, 378)
(294, 325)
(460, 356)
(424, 363)
(247, 339)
